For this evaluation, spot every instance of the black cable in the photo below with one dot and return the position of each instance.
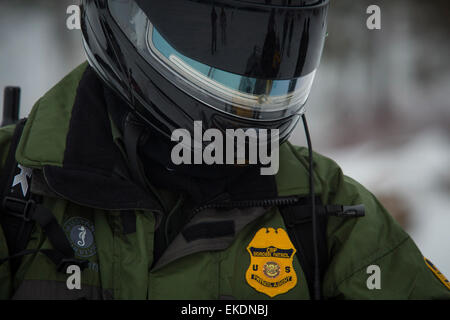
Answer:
(317, 282)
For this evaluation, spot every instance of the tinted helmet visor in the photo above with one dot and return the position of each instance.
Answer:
(250, 60)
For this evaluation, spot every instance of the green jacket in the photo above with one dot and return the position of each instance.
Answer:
(74, 170)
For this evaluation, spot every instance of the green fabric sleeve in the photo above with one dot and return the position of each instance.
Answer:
(356, 244)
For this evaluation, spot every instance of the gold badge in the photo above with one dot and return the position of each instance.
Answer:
(271, 270)
(437, 273)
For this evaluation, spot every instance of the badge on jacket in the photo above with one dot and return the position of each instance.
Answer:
(271, 269)
(80, 232)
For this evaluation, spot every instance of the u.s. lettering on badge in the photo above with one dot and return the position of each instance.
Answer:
(271, 269)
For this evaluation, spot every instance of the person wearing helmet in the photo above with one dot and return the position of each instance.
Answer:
(94, 190)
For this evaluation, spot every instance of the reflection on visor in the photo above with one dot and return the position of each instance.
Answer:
(231, 88)
(228, 92)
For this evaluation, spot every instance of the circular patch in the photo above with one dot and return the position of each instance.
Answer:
(271, 269)
(80, 232)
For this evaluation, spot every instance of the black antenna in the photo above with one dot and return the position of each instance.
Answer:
(11, 105)
(317, 282)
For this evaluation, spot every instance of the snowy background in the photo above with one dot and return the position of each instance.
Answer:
(380, 105)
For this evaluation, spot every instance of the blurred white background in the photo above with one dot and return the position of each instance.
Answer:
(380, 106)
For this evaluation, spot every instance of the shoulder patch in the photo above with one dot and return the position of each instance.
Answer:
(22, 178)
(271, 269)
(80, 232)
(437, 273)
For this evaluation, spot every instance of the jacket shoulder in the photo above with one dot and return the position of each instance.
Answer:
(293, 173)
(356, 244)
(44, 136)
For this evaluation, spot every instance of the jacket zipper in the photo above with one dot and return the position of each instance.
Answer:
(247, 204)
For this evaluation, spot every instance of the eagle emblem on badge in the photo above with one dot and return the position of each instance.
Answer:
(271, 269)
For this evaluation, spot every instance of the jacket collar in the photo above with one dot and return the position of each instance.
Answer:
(69, 137)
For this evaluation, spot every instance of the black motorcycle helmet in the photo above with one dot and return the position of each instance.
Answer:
(228, 63)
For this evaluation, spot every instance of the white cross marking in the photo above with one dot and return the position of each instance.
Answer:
(22, 179)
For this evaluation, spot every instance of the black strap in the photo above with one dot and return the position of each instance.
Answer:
(128, 218)
(20, 211)
(298, 221)
(133, 132)
(14, 216)
(55, 234)
(11, 105)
